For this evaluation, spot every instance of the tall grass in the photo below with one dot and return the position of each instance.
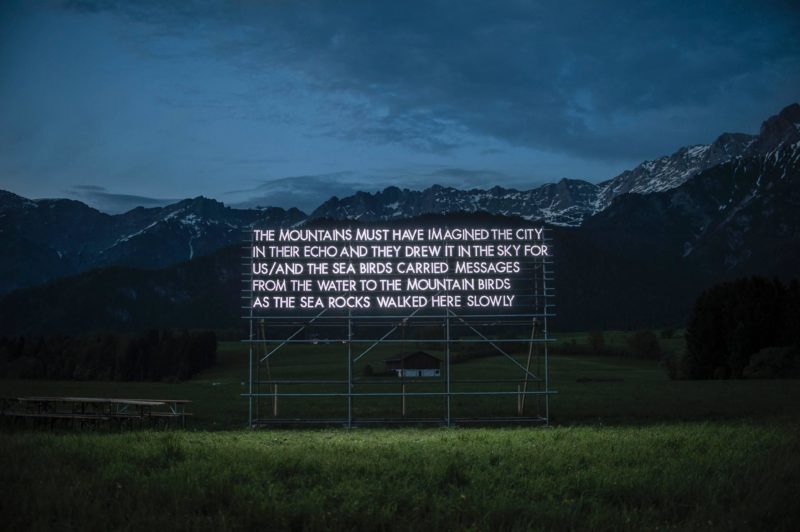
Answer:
(729, 475)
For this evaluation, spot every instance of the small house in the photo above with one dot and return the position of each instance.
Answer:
(415, 364)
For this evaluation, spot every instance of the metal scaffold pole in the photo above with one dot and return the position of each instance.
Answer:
(349, 370)
(447, 361)
(546, 338)
(250, 321)
(349, 357)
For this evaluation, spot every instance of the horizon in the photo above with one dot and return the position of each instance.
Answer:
(168, 202)
(239, 206)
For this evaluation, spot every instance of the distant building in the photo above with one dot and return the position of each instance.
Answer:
(416, 364)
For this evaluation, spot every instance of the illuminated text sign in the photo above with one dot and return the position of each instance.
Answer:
(367, 268)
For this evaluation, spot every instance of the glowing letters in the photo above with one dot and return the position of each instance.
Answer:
(368, 268)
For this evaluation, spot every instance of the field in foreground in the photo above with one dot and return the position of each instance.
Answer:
(728, 475)
(630, 449)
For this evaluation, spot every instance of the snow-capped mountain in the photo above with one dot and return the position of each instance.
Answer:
(782, 129)
(567, 202)
(671, 171)
(45, 239)
(727, 211)
(570, 201)
(639, 263)
(674, 170)
(734, 217)
(48, 238)
(190, 228)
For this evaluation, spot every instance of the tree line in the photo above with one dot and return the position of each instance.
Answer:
(151, 356)
(744, 328)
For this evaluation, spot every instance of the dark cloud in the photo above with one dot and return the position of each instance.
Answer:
(598, 80)
(170, 99)
(304, 192)
(112, 203)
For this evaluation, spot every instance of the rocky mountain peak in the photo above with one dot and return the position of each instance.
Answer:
(731, 145)
(200, 206)
(9, 199)
(783, 128)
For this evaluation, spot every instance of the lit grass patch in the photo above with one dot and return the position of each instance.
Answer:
(685, 475)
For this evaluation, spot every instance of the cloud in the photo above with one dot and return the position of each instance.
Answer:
(306, 192)
(176, 99)
(112, 203)
(608, 81)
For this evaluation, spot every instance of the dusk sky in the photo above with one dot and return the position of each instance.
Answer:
(287, 103)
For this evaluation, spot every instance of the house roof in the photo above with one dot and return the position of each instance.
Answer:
(399, 357)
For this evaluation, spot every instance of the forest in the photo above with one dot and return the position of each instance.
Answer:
(749, 327)
(155, 355)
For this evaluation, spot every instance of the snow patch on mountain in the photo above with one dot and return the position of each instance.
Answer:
(672, 171)
(571, 202)
(567, 202)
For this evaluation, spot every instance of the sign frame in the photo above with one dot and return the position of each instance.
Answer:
(266, 395)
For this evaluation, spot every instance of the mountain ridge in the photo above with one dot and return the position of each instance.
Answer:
(48, 238)
(568, 202)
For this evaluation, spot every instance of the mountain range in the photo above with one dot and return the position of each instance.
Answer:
(633, 249)
(566, 203)
(50, 238)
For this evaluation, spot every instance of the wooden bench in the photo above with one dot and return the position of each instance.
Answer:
(94, 409)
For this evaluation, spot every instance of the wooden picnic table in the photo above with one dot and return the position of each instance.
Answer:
(96, 408)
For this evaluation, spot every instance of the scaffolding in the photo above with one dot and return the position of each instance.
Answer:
(336, 350)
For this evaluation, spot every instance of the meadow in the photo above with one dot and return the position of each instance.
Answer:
(591, 390)
(627, 449)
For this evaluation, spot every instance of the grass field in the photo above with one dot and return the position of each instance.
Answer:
(629, 449)
(591, 390)
(724, 475)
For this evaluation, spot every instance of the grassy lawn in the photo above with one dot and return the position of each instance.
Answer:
(722, 475)
(629, 449)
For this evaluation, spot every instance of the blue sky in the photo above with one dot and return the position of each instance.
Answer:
(286, 103)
